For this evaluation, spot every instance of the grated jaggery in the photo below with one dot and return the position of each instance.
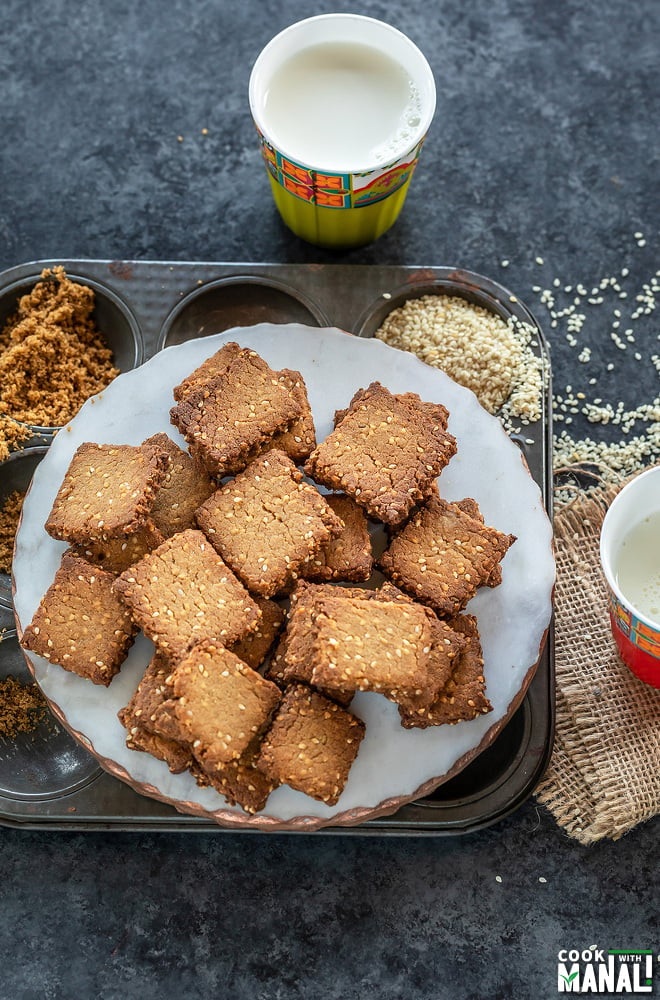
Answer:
(52, 356)
(10, 513)
(22, 708)
(12, 434)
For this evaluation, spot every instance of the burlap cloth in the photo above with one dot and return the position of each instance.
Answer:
(604, 775)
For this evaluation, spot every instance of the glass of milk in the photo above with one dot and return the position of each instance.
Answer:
(342, 104)
(630, 557)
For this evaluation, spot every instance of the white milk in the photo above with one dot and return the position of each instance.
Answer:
(342, 106)
(637, 567)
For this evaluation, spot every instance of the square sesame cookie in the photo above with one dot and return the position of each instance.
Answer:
(81, 624)
(294, 658)
(240, 780)
(298, 440)
(446, 645)
(107, 491)
(221, 704)
(371, 645)
(443, 555)
(176, 755)
(227, 419)
(385, 453)
(137, 715)
(215, 366)
(186, 485)
(254, 647)
(152, 691)
(266, 523)
(116, 554)
(436, 412)
(463, 697)
(471, 507)
(348, 555)
(311, 744)
(183, 591)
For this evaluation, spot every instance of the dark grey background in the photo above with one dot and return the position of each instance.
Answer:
(545, 144)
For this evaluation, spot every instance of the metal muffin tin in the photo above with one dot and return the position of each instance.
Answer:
(143, 306)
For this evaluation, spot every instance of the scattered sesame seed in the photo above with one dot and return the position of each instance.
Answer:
(639, 426)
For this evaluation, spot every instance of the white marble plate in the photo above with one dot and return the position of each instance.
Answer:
(394, 765)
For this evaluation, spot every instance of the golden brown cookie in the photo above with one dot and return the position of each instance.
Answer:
(81, 624)
(183, 591)
(385, 453)
(221, 704)
(107, 491)
(443, 555)
(266, 523)
(225, 420)
(348, 555)
(311, 744)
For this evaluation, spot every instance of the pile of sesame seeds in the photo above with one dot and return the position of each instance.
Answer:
(478, 349)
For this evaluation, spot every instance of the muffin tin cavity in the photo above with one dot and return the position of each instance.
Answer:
(240, 301)
(473, 288)
(112, 317)
(45, 763)
(491, 768)
(15, 476)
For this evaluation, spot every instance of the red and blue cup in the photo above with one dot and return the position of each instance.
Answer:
(635, 627)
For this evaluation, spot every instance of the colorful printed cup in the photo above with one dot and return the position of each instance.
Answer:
(357, 204)
(637, 635)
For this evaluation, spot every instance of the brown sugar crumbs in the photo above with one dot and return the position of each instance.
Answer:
(52, 356)
(22, 707)
(11, 435)
(10, 513)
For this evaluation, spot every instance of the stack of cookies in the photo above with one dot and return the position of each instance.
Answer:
(224, 552)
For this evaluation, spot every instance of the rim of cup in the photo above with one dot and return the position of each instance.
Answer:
(608, 542)
(351, 28)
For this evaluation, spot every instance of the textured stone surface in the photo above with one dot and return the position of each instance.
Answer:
(545, 144)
